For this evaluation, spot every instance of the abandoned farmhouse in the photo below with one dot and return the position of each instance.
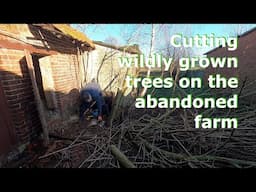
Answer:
(43, 68)
(47, 65)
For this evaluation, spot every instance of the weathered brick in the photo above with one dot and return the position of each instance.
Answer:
(19, 123)
(15, 107)
(19, 91)
(12, 92)
(14, 87)
(15, 57)
(10, 82)
(8, 77)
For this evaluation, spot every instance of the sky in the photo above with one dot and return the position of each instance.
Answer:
(120, 32)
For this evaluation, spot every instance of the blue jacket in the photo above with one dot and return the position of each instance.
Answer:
(96, 93)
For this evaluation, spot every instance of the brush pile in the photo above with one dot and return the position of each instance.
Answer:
(167, 139)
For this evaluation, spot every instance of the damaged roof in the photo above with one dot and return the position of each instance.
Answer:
(133, 49)
(68, 31)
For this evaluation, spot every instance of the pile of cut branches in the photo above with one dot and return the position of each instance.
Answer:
(167, 138)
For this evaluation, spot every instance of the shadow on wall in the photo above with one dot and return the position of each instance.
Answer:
(20, 102)
(18, 93)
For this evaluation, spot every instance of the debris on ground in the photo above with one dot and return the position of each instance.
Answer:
(152, 138)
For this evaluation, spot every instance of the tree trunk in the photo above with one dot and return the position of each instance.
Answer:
(152, 40)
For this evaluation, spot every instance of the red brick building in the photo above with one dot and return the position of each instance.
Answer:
(245, 52)
(56, 51)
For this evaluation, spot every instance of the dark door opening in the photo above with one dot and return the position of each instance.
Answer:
(38, 77)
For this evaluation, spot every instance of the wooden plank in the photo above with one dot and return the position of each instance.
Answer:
(39, 103)
(48, 83)
(4, 43)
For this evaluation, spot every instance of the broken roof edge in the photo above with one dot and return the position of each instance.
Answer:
(238, 36)
(69, 31)
(132, 49)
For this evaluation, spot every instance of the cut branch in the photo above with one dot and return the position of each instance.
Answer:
(121, 157)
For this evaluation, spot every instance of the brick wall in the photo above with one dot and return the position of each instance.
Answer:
(66, 80)
(246, 59)
(65, 70)
(109, 69)
(14, 76)
(17, 87)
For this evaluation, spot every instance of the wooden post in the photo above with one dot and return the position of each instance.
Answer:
(37, 96)
(81, 72)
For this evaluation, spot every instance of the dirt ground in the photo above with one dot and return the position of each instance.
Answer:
(64, 149)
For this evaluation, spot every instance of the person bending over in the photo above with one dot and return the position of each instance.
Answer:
(92, 99)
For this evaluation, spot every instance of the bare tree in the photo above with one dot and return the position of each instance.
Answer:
(112, 41)
(167, 50)
(106, 56)
(151, 50)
